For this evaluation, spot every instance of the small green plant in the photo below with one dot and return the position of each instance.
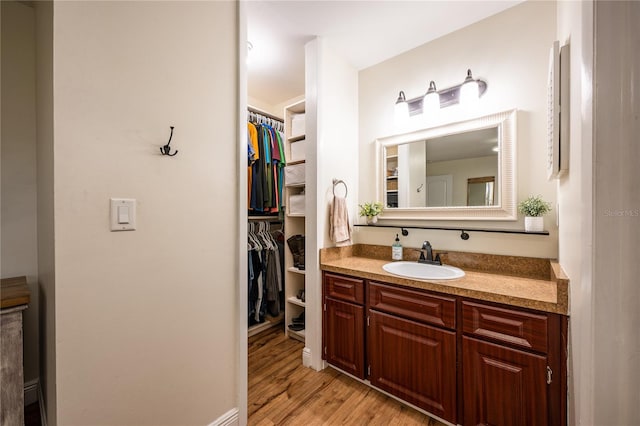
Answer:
(534, 206)
(370, 209)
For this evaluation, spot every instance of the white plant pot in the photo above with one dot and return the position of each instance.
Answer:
(372, 220)
(533, 224)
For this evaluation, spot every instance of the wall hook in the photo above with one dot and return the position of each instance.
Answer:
(166, 149)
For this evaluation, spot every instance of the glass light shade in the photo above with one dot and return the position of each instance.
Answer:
(431, 103)
(469, 91)
(401, 109)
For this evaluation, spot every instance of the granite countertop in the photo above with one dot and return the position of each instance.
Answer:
(518, 281)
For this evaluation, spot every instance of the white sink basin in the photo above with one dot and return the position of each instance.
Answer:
(423, 271)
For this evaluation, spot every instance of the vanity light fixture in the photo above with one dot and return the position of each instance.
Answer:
(401, 110)
(431, 101)
(467, 92)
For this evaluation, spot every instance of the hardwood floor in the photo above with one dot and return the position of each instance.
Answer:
(283, 392)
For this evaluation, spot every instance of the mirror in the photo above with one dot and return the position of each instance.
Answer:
(462, 171)
(480, 191)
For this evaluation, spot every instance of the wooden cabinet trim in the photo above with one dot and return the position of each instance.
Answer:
(413, 304)
(344, 288)
(515, 327)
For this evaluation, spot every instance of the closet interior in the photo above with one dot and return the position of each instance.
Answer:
(265, 229)
(276, 224)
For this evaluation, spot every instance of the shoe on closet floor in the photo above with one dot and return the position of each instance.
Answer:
(299, 319)
(296, 327)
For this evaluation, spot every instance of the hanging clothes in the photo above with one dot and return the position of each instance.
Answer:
(266, 161)
(265, 273)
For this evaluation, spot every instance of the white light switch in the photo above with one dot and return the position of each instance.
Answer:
(123, 214)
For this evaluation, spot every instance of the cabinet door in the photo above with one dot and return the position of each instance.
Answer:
(503, 386)
(344, 336)
(415, 362)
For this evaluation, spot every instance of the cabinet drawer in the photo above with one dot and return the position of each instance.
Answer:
(344, 288)
(519, 328)
(413, 304)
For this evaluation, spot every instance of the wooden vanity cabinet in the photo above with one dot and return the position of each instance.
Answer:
(411, 353)
(343, 324)
(466, 361)
(512, 366)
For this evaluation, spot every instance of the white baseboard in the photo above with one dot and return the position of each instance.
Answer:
(31, 391)
(306, 357)
(230, 418)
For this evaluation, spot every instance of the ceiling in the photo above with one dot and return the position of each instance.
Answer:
(364, 32)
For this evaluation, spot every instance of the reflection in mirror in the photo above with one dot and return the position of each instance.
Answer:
(480, 191)
(461, 170)
(435, 172)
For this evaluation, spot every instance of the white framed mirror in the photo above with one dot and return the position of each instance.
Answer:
(459, 171)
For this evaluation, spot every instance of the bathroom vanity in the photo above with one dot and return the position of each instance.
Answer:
(488, 348)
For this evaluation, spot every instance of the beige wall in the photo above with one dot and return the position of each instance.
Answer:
(146, 323)
(46, 229)
(19, 224)
(277, 109)
(510, 51)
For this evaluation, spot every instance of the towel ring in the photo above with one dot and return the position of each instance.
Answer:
(337, 182)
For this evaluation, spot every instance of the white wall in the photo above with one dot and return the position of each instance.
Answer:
(331, 129)
(510, 51)
(575, 21)
(19, 194)
(146, 321)
(616, 214)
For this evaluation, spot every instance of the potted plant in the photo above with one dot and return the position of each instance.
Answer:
(371, 211)
(533, 208)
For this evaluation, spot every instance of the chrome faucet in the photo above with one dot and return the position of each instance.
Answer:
(426, 247)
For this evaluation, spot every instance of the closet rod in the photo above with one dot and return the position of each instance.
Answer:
(266, 114)
(264, 218)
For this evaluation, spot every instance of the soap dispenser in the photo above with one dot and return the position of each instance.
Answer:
(396, 249)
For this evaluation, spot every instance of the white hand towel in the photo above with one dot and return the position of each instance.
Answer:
(339, 226)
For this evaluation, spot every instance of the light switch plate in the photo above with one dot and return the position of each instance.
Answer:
(123, 214)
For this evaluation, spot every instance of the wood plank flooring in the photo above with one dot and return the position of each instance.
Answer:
(283, 392)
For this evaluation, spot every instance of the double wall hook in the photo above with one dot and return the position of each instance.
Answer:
(166, 149)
